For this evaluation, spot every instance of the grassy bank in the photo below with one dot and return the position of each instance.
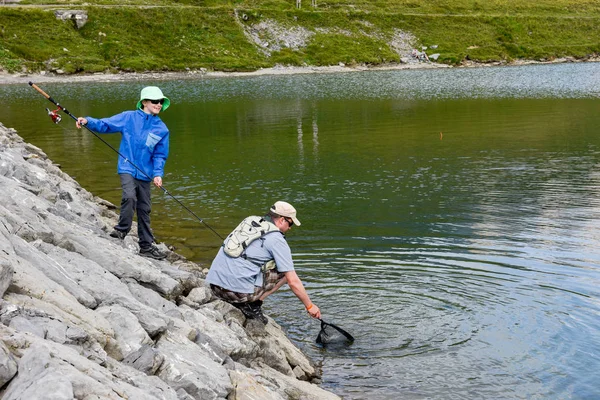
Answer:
(170, 35)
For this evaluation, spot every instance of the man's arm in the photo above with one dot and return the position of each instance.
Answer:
(298, 289)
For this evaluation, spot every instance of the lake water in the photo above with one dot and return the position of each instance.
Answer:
(449, 217)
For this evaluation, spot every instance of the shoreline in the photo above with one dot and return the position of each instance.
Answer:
(48, 77)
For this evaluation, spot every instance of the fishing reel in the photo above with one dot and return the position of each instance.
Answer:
(54, 115)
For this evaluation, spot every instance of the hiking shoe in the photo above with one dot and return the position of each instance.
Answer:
(118, 234)
(256, 306)
(252, 310)
(153, 252)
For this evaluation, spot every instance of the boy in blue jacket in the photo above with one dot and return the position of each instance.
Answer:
(145, 143)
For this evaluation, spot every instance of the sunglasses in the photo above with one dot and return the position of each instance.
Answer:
(289, 221)
(161, 101)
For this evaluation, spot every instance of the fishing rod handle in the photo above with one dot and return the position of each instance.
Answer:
(46, 95)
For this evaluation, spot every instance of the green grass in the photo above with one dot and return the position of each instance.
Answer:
(468, 7)
(191, 34)
(9, 61)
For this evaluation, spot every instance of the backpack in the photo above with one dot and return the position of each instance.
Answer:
(246, 232)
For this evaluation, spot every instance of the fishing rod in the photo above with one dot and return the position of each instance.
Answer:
(56, 119)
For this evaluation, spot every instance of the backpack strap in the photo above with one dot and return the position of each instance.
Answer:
(250, 229)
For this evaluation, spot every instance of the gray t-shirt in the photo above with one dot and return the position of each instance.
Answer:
(240, 275)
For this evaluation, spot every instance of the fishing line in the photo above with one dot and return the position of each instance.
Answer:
(56, 119)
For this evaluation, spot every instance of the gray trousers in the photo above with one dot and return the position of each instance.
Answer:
(136, 198)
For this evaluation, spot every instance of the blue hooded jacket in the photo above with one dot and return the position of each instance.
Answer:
(144, 142)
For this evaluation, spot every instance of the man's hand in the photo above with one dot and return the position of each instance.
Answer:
(314, 311)
(157, 181)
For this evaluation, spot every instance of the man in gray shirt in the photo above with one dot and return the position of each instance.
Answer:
(255, 261)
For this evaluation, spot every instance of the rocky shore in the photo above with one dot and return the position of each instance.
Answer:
(48, 77)
(82, 316)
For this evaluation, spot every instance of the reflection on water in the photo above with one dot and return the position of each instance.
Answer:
(449, 217)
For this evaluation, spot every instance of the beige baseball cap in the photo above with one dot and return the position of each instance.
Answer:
(285, 210)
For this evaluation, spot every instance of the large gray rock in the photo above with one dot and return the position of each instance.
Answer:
(229, 342)
(8, 364)
(93, 280)
(36, 380)
(192, 369)
(76, 375)
(292, 387)
(247, 387)
(264, 382)
(129, 334)
(23, 324)
(53, 269)
(153, 299)
(153, 322)
(79, 17)
(145, 359)
(199, 296)
(32, 289)
(54, 301)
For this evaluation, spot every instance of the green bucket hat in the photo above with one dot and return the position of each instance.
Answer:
(153, 93)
